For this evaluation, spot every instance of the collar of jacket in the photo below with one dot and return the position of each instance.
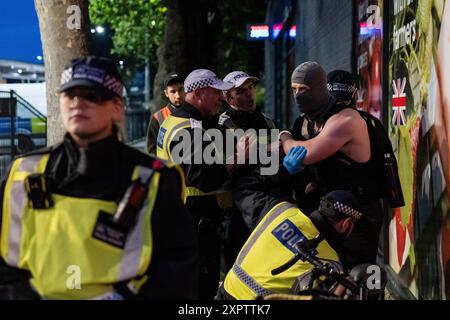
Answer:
(97, 159)
(188, 111)
(171, 107)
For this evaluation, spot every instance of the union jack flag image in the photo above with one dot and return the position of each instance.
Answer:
(399, 102)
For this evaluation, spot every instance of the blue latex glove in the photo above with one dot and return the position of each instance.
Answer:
(293, 160)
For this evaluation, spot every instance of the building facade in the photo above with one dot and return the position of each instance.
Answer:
(21, 72)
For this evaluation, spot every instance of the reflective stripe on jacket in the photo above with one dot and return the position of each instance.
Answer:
(57, 246)
(271, 245)
(162, 115)
(168, 130)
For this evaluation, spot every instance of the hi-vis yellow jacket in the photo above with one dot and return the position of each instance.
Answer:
(271, 245)
(58, 247)
(168, 130)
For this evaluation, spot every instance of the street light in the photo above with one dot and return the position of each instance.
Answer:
(100, 29)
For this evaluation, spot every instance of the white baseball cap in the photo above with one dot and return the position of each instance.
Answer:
(202, 78)
(238, 78)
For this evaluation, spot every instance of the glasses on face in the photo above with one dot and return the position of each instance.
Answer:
(91, 95)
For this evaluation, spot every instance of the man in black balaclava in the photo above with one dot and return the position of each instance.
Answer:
(338, 152)
(309, 85)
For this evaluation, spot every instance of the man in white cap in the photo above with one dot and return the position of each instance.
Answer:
(242, 114)
(203, 101)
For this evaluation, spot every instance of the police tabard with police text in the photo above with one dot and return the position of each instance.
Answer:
(274, 242)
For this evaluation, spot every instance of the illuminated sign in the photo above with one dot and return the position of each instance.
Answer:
(366, 29)
(258, 32)
(276, 29)
(293, 32)
(265, 32)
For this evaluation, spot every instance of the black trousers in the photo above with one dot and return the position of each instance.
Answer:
(207, 216)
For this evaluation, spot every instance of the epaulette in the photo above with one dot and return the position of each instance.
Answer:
(225, 120)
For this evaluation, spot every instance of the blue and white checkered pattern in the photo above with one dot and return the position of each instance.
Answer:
(94, 75)
(202, 78)
(348, 211)
(341, 87)
(201, 84)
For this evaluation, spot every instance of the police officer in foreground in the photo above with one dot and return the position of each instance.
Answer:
(91, 218)
(185, 130)
(174, 92)
(273, 243)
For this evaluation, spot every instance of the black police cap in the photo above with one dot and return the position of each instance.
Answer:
(92, 72)
(341, 85)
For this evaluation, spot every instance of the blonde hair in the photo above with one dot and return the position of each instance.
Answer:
(119, 125)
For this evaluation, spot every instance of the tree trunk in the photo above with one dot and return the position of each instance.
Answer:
(186, 44)
(65, 35)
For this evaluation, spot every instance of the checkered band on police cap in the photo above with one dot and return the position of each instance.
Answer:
(341, 87)
(94, 72)
(354, 214)
(341, 84)
(202, 78)
(341, 203)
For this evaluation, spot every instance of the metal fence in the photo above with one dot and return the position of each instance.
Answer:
(137, 120)
(22, 128)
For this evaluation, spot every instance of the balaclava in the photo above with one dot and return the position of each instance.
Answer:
(313, 103)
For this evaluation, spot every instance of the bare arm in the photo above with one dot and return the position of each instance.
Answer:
(336, 133)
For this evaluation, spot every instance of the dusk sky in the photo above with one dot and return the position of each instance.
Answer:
(19, 31)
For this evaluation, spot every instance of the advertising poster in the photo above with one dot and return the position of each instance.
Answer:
(369, 55)
(419, 125)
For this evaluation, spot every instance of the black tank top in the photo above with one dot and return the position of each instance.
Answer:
(339, 172)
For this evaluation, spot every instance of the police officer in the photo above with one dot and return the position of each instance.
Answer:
(242, 114)
(337, 140)
(273, 243)
(91, 218)
(174, 92)
(186, 128)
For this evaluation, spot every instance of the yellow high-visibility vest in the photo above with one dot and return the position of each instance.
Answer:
(57, 246)
(271, 245)
(168, 130)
